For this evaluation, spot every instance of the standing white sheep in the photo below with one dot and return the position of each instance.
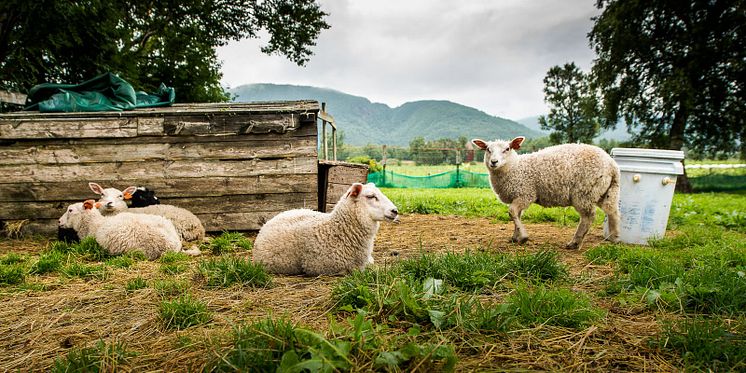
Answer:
(314, 243)
(187, 224)
(122, 233)
(578, 175)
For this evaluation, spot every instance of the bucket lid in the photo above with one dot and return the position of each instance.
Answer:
(648, 153)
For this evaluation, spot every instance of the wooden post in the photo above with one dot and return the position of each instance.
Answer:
(323, 133)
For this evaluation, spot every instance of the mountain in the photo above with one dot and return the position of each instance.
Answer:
(364, 122)
(618, 134)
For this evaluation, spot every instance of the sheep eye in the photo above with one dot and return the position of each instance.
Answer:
(506, 149)
(372, 197)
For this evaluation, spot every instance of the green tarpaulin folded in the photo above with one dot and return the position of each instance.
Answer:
(105, 92)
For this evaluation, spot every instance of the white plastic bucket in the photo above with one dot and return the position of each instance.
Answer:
(646, 191)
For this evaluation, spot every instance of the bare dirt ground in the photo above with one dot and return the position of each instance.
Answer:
(37, 326)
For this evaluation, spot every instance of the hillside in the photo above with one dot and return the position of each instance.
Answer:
(365, 122)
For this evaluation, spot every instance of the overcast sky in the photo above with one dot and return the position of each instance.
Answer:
(488, 54)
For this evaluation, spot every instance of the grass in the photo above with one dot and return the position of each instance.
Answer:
(172, 263)
(707, 344)
(704, 209)
(470, 310)
(12, 274)
(227, 270)
(102, 357)
(559, 307)
(183, 312)
(228, 242)
(135, 284)
(170, 288)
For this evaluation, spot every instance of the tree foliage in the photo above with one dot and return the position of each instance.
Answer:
(146, 42)
(674, 70)
(574, 109)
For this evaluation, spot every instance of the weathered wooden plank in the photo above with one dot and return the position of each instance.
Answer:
(101, 153)
(241, 221)
(347, 175)
(150, 126)
(13, 97)
(308, 107)
(155, 169)
(221, 125)
(335, 191)
(302, 133)
(67, 128)
(165, 188)
(198, 205)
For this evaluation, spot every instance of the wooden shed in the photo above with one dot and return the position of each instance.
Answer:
(234, 165)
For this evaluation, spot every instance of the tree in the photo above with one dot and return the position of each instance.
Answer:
(574, 110)
(674, 69)
(146, 42)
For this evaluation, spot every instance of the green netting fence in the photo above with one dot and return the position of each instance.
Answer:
(449, 179)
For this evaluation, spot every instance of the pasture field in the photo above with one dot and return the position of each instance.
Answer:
(448, 292)
(702, 179)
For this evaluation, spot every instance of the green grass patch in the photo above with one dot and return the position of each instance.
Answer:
(100, 358)
(560, 307)
(228, 242)
(126, 260)
(605, 253)
(470, 271)
(172, 263)
(540, 266)
(279, 345)
(12, 258)
(707, 344)
(12, 274)
(85, 271)
(183, 312)
(170, 288)
(48, 262)
(699, 270)
(135, 284)
(227, 270)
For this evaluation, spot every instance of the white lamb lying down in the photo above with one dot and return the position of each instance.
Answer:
(112, 201)
(125, 232)
(314, 243)
(577, 175)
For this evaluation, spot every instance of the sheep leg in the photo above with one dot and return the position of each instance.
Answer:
(587, 214)
(515, 210)
(610, 206)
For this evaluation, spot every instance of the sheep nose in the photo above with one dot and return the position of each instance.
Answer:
(109, 204)
(493, 163)
(395, 211)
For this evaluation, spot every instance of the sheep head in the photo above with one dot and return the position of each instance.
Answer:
(112, 199)
(499, 152)
(373, 202)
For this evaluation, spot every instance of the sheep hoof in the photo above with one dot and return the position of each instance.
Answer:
(520, 240)
(572, 246)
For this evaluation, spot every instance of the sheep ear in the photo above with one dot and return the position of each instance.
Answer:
(96, 188)
(129, 192)
(480, 144)
(516, 143)
(88, 204)
(355, 190)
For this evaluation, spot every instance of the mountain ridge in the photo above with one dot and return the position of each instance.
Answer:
(366, 122)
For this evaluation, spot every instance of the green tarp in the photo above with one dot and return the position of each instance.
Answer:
(105, 92)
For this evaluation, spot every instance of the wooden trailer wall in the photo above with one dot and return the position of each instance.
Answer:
(233, 165)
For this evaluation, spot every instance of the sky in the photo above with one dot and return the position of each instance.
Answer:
(487, 54)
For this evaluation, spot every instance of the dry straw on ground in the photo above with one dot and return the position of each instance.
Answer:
(39, 325)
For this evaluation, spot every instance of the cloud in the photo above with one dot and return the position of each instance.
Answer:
(491, 55)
